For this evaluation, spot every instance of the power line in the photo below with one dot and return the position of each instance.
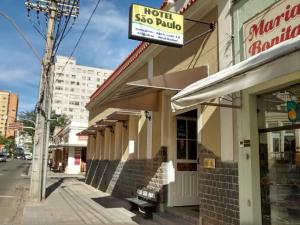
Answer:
(35, 52)
(82, 33)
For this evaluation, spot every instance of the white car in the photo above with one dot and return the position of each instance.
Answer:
(28, 156)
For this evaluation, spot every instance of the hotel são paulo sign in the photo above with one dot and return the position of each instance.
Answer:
(274, 25)
(156, 26)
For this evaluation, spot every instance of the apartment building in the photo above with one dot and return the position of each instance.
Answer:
(8, 112)
(73, 85)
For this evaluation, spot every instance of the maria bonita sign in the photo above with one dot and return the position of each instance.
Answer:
(274, 25)
(157, 26)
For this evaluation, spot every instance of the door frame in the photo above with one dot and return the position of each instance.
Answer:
(172, 156)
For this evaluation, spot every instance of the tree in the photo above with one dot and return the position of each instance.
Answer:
(8, 143)
(56, 120)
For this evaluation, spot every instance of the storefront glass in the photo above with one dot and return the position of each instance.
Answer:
(279, 131)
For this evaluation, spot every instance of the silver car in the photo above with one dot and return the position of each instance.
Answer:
(2, 157)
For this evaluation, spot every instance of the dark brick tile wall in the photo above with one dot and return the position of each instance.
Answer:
(121, 179)
(219, 191)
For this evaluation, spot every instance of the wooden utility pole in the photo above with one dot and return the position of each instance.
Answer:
(54, 9)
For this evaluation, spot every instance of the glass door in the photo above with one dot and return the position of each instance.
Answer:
(279, 138)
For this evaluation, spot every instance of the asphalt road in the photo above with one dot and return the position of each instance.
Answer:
(14, 186)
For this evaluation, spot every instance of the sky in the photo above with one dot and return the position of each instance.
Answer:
(105, 43)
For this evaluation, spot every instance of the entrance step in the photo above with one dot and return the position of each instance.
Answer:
(178, 216)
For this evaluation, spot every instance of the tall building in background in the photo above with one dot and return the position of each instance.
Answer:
(73, 85)
(8, 112)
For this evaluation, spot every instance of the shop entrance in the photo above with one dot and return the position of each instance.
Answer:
(186, 175)
(279, 136)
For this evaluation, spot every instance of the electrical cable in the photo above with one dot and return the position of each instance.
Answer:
(82, 33)
(35, 52)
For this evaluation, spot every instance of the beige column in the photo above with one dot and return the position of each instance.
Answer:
(101, 145)
(88, 148)
(97, 146)
(112, 144)
(107, 143)
(118, 140)
(125, 141)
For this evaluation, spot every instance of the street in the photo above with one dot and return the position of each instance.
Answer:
(14, 186)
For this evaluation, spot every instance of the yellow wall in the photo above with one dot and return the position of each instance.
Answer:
(203, 51)
(142, 137)
(210, 133)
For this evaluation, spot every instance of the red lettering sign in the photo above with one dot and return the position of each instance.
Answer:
(276, 24)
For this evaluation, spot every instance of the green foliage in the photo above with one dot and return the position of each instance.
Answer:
(8, 143)
(56, 120)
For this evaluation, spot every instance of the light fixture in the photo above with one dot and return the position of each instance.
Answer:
(148, 115)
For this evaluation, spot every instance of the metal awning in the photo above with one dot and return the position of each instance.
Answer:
(143, 94)
(270, 64)
(123, 114)
(67, 145)
(173, 81)
(89, 131)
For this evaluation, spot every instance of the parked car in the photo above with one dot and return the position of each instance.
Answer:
(28, 156)
(3, 157)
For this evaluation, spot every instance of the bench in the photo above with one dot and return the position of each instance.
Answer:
(145, 202)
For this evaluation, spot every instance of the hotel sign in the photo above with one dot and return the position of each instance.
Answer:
(274, 25)
(156, 26)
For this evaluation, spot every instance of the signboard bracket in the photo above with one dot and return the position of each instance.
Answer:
(212, 26)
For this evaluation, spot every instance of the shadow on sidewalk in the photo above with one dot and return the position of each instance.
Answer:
(53, 187)
(110, 202)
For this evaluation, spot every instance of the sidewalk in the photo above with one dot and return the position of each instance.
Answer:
(72, 202)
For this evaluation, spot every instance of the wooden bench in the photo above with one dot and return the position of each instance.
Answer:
(145, 202)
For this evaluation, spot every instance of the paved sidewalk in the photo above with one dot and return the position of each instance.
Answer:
(72, 202)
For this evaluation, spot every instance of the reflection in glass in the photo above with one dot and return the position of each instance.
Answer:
(192, 130)
(181, 149)
(192, 149)
(279, 158)
(181, 128)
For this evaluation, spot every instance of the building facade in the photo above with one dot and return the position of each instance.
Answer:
(136, 140)
(73, 84)
(8, 112)
(68, 151)
(266, 117)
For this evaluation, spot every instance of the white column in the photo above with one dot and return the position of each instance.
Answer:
(249, 174)
(225, 60)
(150, 122)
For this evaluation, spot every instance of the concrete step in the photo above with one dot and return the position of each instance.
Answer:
(165, 218)
(190, 213)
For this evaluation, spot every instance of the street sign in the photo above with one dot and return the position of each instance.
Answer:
(15, 126)
(156, 26)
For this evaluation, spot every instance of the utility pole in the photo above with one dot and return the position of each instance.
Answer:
(55, 10)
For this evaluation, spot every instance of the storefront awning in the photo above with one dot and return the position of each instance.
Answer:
(273, 63)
